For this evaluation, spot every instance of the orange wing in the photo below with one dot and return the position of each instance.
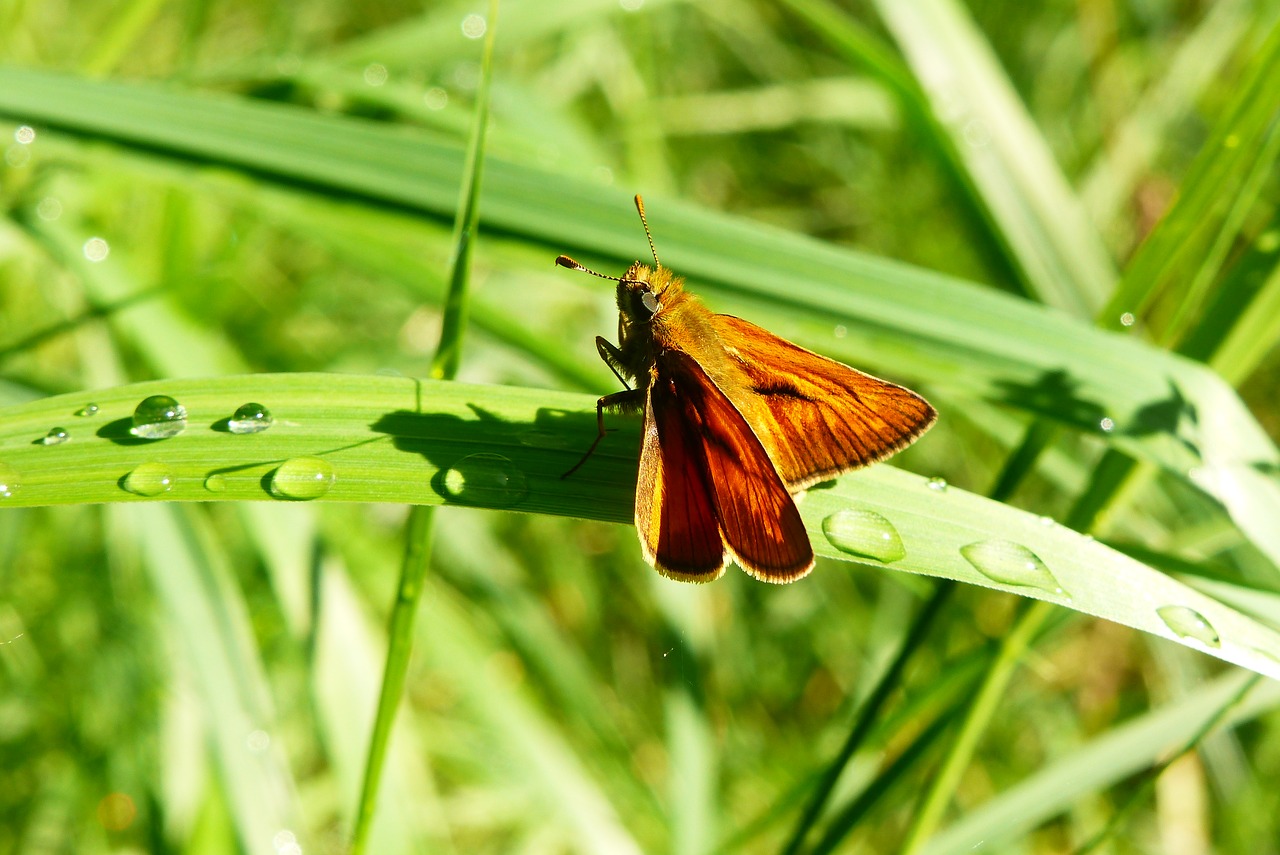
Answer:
(819, 418)
(707, 488)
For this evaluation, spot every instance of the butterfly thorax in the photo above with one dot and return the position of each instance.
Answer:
(656, 315)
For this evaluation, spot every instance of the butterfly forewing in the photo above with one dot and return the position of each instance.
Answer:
(711, 462)
(819, 417)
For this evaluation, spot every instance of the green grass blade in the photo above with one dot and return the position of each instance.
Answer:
(943, 785)
(1147, 126)
(1031, 205)
(868, 715)
(1107, 759)
(419, 530)
(211, 624)
(1188, 247)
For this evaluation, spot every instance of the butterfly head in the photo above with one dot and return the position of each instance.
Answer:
(643, 291)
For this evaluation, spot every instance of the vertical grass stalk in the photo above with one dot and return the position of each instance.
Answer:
(418, 529)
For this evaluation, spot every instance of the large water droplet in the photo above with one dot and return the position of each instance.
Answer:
(485, 479)
(865, 534)
(88, 410)
(1010, 563)
(149, 479)
(1189, 623)
(302, 478)
(159, 417)
(55, 436)
(9, 481)
(250, 418)
(216, 483)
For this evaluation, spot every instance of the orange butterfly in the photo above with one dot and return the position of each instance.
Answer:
(736, 420)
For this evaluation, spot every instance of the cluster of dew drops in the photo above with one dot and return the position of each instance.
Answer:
(868, 534)
(161, 417)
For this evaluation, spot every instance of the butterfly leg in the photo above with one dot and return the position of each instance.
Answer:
(625, 398)
(612, 357)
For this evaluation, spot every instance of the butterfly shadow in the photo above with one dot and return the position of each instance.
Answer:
(490, 461)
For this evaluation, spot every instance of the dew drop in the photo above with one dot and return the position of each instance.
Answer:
(936, 484)
(9, 481)
(216, 483)
(96, 249)
(250, 418)
(1189, 623)
(1047, 521)
(55, 436)
(149, 479)
(1010, 563)
(285, 842)
(87, 410)
(435, 98)
(485, 479)
(865, 534)
(473, 26)
(159, 417)
(1107, 425)
(1127, 319)
(302, 478)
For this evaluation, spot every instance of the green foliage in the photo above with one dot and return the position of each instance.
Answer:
(1058, 222)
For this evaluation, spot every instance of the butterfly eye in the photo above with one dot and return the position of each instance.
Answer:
(650, 303)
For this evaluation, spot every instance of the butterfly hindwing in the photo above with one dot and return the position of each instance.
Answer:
(704, 461)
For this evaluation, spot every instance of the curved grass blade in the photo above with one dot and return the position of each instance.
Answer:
(398, 440)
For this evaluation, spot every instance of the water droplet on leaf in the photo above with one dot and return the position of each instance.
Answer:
(159, 417)
(1189, 623)
(250, 418)
(302, 478)
(1010, 563)
(55, 436)
(149, 479)
(864, 533)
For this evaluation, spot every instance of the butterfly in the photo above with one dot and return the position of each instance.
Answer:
(736, 422)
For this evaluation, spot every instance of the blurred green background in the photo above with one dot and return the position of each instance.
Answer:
(1057, 221)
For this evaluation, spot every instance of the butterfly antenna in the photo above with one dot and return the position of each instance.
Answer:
(566, 261)
(653, 249)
